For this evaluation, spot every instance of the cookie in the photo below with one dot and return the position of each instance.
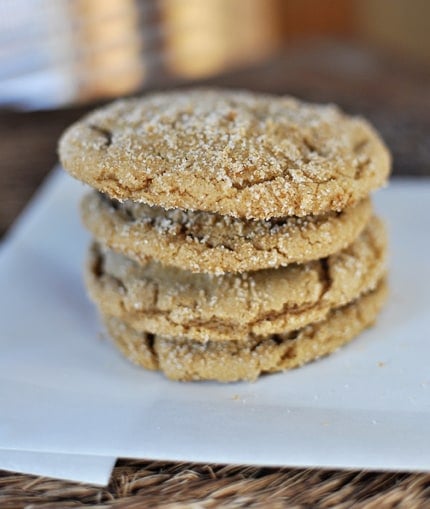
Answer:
(228, 152)
(170, 301)
(205, 242)
(229, 361)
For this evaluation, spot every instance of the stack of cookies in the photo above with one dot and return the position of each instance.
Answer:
(233, 232)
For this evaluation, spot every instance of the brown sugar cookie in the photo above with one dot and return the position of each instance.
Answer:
(205, 242)
(229, 152)
(229, 361)
(169, 301)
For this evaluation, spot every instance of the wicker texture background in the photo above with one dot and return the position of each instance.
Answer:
(138, 484)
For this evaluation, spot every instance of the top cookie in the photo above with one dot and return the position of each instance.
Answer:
(229, 152)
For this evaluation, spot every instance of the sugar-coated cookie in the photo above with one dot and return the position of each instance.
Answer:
(211, 243)
(173, 302)
(229, 361)
(229, 152)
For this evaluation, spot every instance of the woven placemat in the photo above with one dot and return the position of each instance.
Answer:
(140, 484)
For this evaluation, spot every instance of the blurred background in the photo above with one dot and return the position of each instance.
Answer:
(60, 58)
(55, 52)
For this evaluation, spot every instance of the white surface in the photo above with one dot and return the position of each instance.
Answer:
(64, 389)
(73, 467)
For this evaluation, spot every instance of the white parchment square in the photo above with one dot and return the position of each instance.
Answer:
(65, 389)
(71, 467)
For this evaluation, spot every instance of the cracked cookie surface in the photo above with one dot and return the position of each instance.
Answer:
(231, 361)
(234, 153)
(205, 242)
(170, 301)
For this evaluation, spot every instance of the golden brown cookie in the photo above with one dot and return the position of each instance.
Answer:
(205, 242)
(229, 152)
(169, 301)
(229, 361)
